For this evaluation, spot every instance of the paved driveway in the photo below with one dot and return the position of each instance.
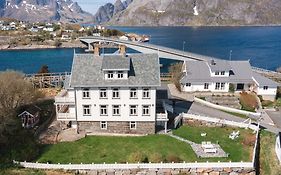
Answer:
(275, 116)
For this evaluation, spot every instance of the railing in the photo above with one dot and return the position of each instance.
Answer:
(48, 74)
(162, 117)
(265, 70)
(64, 100)
(66, 116)
(127, 166)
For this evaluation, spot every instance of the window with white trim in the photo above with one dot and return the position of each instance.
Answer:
(265, 88)
(217, 86)
(110, 74)
(120, 74)
(133, 125)
(146, 93)
(86, 109)
(103, 125)
(103, 110)
(133, 110)
(103, 93)
(86, 93)
(188, 84)
(217, 73)
(222, 86)
(115, 93)
(222, 72)
(145, 110)
(133, 93)
(116, 110)
(206, 86)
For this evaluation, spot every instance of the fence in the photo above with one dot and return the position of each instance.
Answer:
(136, 165)
(226, 108)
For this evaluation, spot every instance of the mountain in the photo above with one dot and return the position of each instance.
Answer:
(106, 12)
(198, 13)
(44, 11)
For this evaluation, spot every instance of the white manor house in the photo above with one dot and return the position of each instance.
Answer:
(112, 94)
(219, 75)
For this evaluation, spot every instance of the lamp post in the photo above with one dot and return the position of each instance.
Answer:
(183, 44)
(230, 54)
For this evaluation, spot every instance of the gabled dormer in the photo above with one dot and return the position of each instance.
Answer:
(219, 68)
(115, 67)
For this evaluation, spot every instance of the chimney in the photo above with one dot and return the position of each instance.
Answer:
(96, 49)
(122, 49)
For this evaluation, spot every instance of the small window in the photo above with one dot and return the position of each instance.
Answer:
(103, 125)
(146, 110)
(110, 74)
(133, 93)
(217, 86)
(217, 73)
(222, 86)
(120, 74)
(133, 110)
(133, 125)
(116, 110)
(103, 110)
(265, 88)
(206, 86)
(115, 93)
(222, 72)
(146, 93)
(188, 84)
(86, 93)
(86, 110)
(103, 93)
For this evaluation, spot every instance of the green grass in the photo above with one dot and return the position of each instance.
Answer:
(238, 151)
(236, 114)
(99, 149)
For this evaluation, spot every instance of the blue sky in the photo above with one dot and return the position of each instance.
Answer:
(92, 5)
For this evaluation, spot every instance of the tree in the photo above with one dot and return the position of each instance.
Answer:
(15, 92)
(175, 71)
(44, 69)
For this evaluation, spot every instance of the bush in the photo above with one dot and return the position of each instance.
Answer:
(156, 158)
(136, 157)
(173, 158)
(231, 88)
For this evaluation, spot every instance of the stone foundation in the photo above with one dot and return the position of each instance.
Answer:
(193, 122)
(114, 127)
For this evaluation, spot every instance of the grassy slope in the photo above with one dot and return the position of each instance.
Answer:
(237, 150)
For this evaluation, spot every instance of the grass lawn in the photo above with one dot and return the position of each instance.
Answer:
(99, 149)
(248, 102)
(239, 149)
(236, 114)
(269, 164)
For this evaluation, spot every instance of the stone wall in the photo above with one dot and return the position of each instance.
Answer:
(193, 122)
(117, 127)
(193, 171)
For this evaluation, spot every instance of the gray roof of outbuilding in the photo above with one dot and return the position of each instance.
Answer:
(87, 71)
(110, 62)
(263, 81)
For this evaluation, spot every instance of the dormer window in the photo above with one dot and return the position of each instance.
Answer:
(217, 73)
(110, 75)
(120, 74)
(222, 72)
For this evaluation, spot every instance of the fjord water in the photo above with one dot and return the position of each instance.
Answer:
(261, 45)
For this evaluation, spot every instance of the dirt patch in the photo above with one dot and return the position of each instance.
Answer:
(248, 101)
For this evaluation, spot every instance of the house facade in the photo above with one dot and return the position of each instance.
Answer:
(224, 76)
(112, 94)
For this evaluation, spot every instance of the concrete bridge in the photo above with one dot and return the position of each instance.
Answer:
(163, 52)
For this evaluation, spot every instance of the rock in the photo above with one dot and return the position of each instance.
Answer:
(175, 172)
(233, 173)
(93, 172)
(200, 170)
(214, 173)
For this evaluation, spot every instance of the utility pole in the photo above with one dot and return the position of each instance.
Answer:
(183, 44)
(230, 55)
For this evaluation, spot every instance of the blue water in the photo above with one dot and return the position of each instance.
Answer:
(261, 45)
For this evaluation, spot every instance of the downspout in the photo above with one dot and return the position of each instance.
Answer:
(75, 99)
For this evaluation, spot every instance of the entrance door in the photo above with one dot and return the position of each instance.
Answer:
(240, 87)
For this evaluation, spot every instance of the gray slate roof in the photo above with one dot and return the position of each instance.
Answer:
(219, 65)
(197, 71)
(242, 72)
(110, 62)
(263, 81)
(87, 70)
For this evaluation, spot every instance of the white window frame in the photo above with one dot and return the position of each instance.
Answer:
(217, 73)
(188, 84)
(222, 86)
(86, 110)
(86, 93)
(135, 109)
(103, 93)
(120, 74)
(133, 125)
(222, 72)
(134, 93)
(146, 110)
(206, 85)
(110, 75)
(114, 109)
(103, 125)
(146, 93)
(265, 88)
(103, 110)
(217, 86)
(115, 93)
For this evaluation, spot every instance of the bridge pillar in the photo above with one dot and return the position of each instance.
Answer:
(122, 49)
(97, 49)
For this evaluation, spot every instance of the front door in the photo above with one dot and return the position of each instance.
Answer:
(240, 87)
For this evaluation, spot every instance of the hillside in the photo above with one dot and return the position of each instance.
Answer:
(197, 12)
(44, 10)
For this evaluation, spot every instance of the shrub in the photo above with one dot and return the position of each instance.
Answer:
(136, 157)
(156, 158)
(173, 158)
(231, 88)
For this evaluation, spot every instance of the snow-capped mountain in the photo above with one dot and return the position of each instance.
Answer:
(44, 10)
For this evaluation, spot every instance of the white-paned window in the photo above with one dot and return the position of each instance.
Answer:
(86, 93)
(222, 72)
(133, 93)
(217, 73)
(103, 110)
(103, 125)
(217, 86)
(265, 88)
(120, 74)
(145, 110)
(110, 74)
(206, 86)
(115, 93)
(103, 93)
(133, 110)
(116, 110)
(133, 125)
(146, 93)
(222, 86)
(86, 110)
(188, 84)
